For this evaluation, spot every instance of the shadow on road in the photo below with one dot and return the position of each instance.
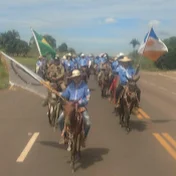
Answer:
(138, 125)
(90, 156)
(162, 121)
(53, 144)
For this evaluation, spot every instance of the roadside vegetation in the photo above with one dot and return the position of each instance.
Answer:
(27, 53)
(164, 63)
(4, 77)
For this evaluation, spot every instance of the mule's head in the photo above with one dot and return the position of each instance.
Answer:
(132, 86)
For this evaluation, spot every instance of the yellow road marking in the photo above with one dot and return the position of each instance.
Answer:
(27, 148)
(143, 113)
(169, 149)
(170, 139)
(139, 116)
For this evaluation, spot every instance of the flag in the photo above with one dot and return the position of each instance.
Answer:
(43, 46)
(152, 47)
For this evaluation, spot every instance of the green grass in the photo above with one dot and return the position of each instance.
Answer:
(28, 62)
(4, 77)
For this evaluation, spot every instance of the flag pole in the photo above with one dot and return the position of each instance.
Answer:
(36, 42)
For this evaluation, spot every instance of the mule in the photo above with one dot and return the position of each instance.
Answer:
(73, 129)
(104, 83)
(54, 107)
(128, 100)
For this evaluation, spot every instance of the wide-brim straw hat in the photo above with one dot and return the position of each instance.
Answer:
(125, 59)
(75, 73)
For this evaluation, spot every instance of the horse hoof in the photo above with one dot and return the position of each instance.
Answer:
(73, 171)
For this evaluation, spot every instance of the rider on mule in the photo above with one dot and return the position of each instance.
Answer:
(77, 90)
(125, 70)
(102, 65)
(83, 62)
(55, 74)
(69, 64)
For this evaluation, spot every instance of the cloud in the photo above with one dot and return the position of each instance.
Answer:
(110, 20)
(78, 21)
(154, 23)
(164, 33)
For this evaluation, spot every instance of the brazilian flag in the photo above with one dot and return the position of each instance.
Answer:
(42, 45)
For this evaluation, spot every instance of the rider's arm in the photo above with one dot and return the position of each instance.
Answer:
(66, 93)
(84, 101)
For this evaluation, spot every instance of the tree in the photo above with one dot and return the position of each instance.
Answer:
(134, 42)
(63, 47)
(12, 44)
(72, 51)
(168, 61)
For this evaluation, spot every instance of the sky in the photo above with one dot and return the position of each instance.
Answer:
(90, 26)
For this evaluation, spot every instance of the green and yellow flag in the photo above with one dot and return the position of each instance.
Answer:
(43, 46)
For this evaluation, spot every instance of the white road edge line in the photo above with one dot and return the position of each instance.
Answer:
(174, 93)
(162, 88)
(28, 147)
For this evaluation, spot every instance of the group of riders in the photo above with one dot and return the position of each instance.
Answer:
(69, 75)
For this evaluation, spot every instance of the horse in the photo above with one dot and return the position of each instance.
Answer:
(73, 129)
(128, 100)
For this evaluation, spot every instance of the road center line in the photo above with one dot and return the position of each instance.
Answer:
(28, 147)
(143, 113)
(169, 149)
(170, 139)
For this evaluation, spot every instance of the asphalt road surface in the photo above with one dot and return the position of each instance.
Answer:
(29, 147)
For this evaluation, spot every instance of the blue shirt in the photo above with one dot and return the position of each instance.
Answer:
(102, 60)
(114, 65)
(81, 92)
(83, 62)
(125, 73)
(69, 65)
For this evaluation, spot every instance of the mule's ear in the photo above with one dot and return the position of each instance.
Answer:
(137, 78)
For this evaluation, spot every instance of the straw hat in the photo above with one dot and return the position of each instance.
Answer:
(64, 57)
(115, 58)
(120, 55)
(75, 73)
(69, 54)
(125, 59)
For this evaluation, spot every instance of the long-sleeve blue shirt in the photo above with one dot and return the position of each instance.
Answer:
(77, 92)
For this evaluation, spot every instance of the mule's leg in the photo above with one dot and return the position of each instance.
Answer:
(79, 145)
(127, 119)
(73, 153)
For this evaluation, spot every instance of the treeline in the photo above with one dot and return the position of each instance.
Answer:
(12, 44)
(165, 62)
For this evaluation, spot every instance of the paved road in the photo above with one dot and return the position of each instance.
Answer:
(110, 151)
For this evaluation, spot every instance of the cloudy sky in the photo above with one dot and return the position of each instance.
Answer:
(90, 25)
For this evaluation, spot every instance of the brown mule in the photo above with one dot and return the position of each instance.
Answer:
(128, 100)
(74, 129)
